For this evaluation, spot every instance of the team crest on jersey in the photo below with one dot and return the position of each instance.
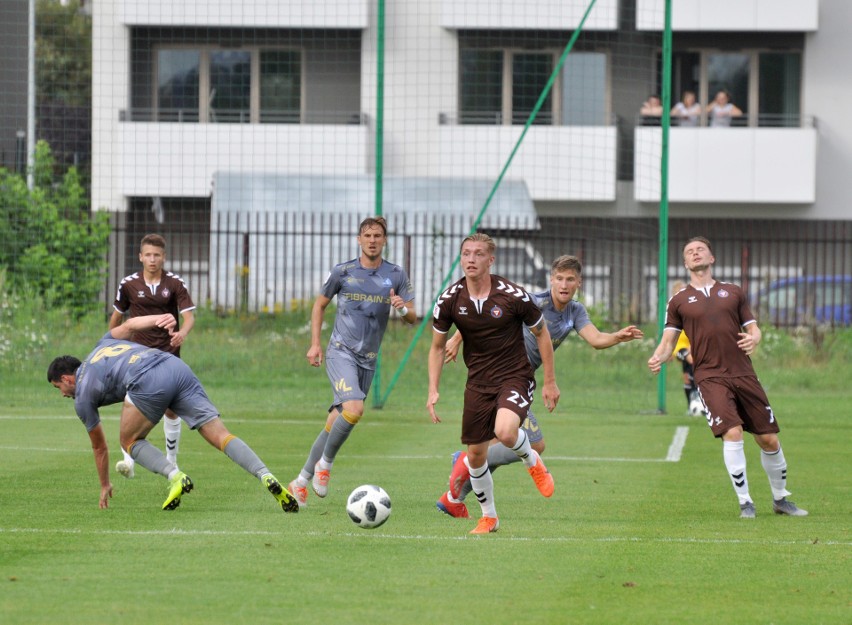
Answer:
(496, 312)
(723, 293)
(166, 292)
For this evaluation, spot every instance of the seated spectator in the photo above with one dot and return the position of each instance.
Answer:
(721, 110)
(651, 111)
(687, 112)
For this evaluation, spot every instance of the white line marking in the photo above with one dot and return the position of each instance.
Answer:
(678, 443)
(415, 537)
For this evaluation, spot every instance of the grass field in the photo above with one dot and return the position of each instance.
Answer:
(635, 533)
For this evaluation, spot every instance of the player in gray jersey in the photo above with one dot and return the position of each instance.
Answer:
(148, 381)
(366, 288)
(562, 315)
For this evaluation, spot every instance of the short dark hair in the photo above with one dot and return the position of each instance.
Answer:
(62, 365)
(565, 263)
(369, 222)
(700, 239)
(153, 239)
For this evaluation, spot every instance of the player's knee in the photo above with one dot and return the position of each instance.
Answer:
(352, 416)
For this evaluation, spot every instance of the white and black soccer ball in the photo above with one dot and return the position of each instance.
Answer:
(368, 506)
(696, 407)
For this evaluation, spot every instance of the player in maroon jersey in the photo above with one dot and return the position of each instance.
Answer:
(155, 291)
(490, 313)
(723, 334)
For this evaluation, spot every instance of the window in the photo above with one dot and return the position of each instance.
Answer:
(228, 86)
(481, 86)
(584, 83)
(766, 86)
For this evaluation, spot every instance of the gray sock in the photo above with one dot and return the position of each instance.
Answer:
(340, 431)
(145, 454)
(314, 455)
(244, 456)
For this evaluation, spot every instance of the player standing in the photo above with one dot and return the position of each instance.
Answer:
(562, 315)
(490, 313)
(367, 288)
(155, 291)
(148, 381)
(723, 333)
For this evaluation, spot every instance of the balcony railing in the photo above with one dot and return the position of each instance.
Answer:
(241, 116)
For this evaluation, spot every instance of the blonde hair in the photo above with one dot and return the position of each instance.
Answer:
(480, 237)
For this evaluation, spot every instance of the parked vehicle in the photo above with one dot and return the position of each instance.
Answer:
(807, 300)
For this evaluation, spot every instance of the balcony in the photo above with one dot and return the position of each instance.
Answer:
(510, 14)
(178, 159)
(261, 13)
(762, 164)
(731, 15)
(556, 162)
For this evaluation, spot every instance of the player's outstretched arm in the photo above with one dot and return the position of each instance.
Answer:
(134, 324)
(602, 340)
(100, 451)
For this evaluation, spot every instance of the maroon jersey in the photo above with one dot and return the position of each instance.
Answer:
(136, 299)
(712, 322)
(492, 330)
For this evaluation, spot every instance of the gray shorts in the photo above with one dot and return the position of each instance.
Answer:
(531, 427)
(349, 380)
(172, 384)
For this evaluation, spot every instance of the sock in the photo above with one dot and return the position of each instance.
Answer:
(735, 461)
(171, 428)
(151, 458)
(687, 390)
(244, 456)
(523, 450)
(340, 431)
(776, 470)
(483, 488)
(314, 456)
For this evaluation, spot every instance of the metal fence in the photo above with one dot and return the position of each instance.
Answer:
(796, 272)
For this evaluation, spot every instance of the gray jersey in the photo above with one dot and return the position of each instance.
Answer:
(363, 305)
(151, 379)
(559, 324)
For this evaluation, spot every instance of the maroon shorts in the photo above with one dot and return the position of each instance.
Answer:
(737, 401)
(482, 403)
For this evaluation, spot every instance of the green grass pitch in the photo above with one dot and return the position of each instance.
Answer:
(635, 532)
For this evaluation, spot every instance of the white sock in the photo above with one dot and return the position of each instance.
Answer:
(523, 449)
(735, 461)
(483, 488)
(325, 464)
(776, 470)
(171, 428)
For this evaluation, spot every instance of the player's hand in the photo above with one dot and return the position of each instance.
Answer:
(177, 338)
(655, 364)
(746, 343)
(395, 300)
(550, 394)
(166, 321)
(106, 495)
(451, 349)
(430, 406)
(629, 333)
(314, 355)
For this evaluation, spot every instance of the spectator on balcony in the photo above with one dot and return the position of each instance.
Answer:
(721, 110)
(687, 112)
(651, 111)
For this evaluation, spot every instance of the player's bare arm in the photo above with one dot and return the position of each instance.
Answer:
(101, 454)
(550, 391)
(436, 365)
(664, 350)
(125, 331)
(115, 319)
(405, 309)
(749, 338)
(602, 340)
(451, 349)
(315, 354)
(188, 318)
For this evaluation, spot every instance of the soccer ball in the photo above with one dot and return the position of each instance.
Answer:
(696, 407)
(368, 506)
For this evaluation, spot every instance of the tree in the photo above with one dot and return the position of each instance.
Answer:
(51, 245)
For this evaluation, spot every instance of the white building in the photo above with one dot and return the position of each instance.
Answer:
(185, 89)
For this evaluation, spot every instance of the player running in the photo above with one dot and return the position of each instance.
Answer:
(367, 288)
(148, 381)
(723, 334)
(562, 315)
